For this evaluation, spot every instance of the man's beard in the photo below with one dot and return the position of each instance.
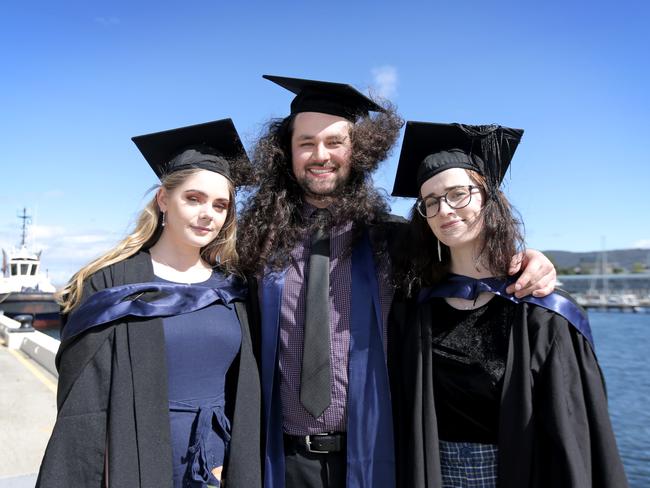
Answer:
(312, 189)
(346, 200)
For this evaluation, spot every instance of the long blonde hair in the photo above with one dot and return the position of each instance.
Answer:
(221, 251)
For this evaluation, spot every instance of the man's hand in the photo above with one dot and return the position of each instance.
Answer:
(538, 276)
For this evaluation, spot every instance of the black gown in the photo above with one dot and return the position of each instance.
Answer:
(113, 424)
(554, 428)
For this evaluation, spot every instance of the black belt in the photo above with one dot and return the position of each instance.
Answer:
(317, 443)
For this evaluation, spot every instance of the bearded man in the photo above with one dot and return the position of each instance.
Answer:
(319, 238)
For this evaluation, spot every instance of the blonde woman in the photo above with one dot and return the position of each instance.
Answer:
(158, 385)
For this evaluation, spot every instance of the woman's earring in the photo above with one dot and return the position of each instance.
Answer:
(439, 252)
(163, 224)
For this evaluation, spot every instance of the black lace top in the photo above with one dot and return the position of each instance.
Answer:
(470, 349)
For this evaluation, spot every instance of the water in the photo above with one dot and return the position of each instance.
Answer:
(622, 347)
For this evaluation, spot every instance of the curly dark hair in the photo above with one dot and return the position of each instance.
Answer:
(271, 221)
(502, 236)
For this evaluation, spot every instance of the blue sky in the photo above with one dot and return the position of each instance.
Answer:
(78, 79)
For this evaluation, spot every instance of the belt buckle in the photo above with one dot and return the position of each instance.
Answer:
(308, 445)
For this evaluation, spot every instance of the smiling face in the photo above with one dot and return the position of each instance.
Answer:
(456, 228)
(195, 210)
(320, 149)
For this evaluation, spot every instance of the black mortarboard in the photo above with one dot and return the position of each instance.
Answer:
(326, 97)
(430, 148)
(207, 146)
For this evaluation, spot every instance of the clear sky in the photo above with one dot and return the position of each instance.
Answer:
(78, 79)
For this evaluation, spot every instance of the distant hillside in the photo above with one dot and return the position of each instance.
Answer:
(624, 259)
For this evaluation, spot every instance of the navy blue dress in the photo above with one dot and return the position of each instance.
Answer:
(200, 347)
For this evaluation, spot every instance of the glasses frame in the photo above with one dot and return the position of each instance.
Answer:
(423, 211)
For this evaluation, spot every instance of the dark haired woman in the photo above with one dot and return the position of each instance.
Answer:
(156, 359)
(489, 390)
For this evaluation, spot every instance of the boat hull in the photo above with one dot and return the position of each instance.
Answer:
(41, 306)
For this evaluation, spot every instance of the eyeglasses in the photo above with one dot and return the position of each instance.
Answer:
(457, 197)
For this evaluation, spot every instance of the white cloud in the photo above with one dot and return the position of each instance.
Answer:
(642, 244)
(65, 254)
(385, 80)
(58, 277)
(38, 232)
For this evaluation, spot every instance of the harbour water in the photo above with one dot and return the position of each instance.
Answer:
(622, 348)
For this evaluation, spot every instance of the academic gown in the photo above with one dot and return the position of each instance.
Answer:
(554, 427)
(370, 443)
(113, 400)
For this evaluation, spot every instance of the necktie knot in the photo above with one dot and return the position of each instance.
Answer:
(320, 234)
(321, 213)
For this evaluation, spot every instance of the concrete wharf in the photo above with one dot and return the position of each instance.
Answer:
(27, 415)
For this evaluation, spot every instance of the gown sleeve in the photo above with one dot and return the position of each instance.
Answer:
(575, 434)
(417, 455)
(75, 452)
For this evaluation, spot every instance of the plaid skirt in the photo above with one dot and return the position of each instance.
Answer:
(469, 465)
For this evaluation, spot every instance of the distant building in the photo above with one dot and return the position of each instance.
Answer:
(637, 283)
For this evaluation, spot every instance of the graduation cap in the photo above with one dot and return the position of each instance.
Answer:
(210, 146)
(430, 148)
(326, 97)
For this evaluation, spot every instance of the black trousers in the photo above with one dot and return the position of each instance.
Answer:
(311, 470)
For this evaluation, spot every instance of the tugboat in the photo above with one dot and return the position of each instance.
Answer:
(24, 290)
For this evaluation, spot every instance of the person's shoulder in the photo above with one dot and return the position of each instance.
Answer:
(388, 233)
(389, 225)
(568, 297)
(558, 303)
(132, 269)
(101, 279)
(391, 219)
(229, 279)
(558, 316)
